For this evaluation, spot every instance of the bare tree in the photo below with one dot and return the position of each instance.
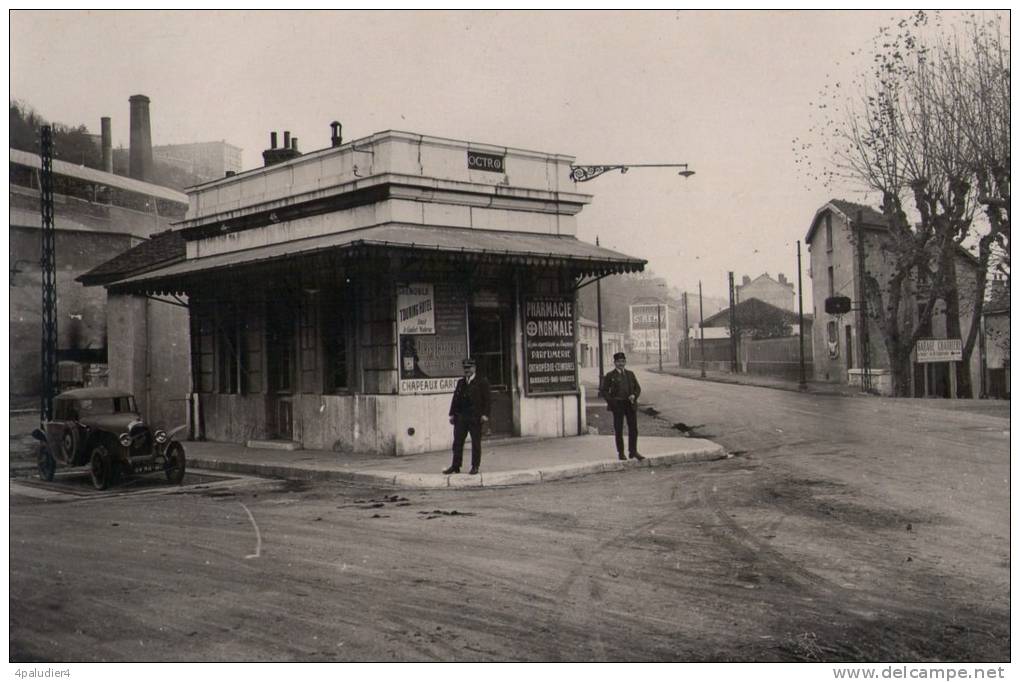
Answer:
(925, 128)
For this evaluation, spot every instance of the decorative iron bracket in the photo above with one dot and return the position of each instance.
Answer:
(586, 173)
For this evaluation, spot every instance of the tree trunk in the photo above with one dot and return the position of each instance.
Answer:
(952, 300)
(901, 370)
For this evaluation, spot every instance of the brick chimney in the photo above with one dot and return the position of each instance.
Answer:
(140, 167)
(275, 155)
(107, 145)
(747, 280)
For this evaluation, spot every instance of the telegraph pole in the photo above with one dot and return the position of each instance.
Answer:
(701, 327)
(734, 364)
(48, 267)
(658, 312)
(687, 337)
(800, 304)
(598, 306)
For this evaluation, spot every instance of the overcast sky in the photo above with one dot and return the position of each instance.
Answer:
(725, 92)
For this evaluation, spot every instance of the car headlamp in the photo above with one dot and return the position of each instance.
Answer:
(161, 436)
(125, 440)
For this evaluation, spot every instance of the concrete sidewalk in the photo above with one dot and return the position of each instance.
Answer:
(511, 461)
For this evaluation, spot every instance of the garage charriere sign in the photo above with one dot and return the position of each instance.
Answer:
(549, 351)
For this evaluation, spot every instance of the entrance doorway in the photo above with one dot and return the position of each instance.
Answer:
(489, 332)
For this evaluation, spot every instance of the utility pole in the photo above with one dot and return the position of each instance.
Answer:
(658, 313)
(701, 327)
(800, 304)
(686, 343)
(598, 306)
(734, 364)
(863, 309)
(48, 267)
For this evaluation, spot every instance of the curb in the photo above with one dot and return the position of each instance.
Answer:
(495, 479)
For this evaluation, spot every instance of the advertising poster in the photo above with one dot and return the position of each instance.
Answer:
(416, 309)
(431, 320)
(645, 327)
(549, 350)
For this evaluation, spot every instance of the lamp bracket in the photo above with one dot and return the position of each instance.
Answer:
(586, 173)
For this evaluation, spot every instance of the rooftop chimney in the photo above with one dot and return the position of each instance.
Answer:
(140, 167)
(747, 280)
(782, 278)
(275, 155)
(335, 138)
(107, 137)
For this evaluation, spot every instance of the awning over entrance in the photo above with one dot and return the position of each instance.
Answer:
(519, 248)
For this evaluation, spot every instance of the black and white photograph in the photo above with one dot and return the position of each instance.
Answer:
(510, 336)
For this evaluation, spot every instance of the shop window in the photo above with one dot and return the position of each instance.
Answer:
(203, 349)
(336, 355)
(307, 346)
(252, 350)
(228, 350)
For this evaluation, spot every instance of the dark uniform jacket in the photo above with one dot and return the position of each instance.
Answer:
(617, 388)
(471, 400)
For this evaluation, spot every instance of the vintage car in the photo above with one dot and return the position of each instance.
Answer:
(100, 428)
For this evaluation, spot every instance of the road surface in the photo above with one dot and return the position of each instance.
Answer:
(844, 529)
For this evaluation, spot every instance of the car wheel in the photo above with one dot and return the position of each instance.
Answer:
(175, 463)
(47, 465)
(100, 468)
(68, 445)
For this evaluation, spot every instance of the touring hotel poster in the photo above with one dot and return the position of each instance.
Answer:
(432, 326)
(549, 355)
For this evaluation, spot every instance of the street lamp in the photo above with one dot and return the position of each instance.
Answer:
(586, 173)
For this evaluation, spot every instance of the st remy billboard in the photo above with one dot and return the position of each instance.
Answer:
(649, 321)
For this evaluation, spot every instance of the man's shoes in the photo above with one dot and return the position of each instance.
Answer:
(451, 470)
(637, 456)
(621, 455)
(474, 471)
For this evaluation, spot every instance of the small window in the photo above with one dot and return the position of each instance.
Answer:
(828, 232)
(832, 283)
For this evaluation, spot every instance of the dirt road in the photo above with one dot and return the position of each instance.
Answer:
(869, 537)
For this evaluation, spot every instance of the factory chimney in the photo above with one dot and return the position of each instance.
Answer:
(140, 167)
(107, 138)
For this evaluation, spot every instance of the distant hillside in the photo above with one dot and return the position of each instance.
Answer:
(75, 144)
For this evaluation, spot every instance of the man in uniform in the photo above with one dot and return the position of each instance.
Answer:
(621, 389)
(469, 410)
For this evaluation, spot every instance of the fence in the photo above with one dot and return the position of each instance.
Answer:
(769, 357)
